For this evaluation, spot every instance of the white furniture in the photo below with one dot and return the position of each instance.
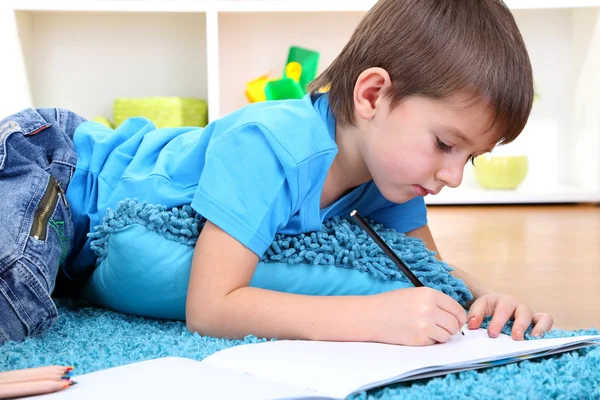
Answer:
(82, 54)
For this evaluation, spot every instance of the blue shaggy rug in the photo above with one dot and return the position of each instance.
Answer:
(92, 338)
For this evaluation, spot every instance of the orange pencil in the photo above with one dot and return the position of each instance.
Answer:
(20, 389)
(57, 378)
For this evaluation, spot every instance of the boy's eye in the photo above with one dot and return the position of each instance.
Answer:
(442, 146)
(447, 149)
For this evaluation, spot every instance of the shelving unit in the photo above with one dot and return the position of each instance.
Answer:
(251, 5)
(82, 54)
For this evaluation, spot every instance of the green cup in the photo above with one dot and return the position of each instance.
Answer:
(500, 172)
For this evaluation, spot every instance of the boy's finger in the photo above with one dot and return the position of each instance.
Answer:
(447, 321)
(499, 320)
(476, 314)
(440, 334)
(523, 316)
(451, 306)
(543, 323)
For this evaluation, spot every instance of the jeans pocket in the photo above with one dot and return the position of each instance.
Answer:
(62, 171)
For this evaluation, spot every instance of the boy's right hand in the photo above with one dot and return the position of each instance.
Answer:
(416, 317)
(221, 303)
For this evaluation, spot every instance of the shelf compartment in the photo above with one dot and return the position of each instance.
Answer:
(83, 61)
(251, 45)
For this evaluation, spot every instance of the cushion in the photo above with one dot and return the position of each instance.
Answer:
(145, 253)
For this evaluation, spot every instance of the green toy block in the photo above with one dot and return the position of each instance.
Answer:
(283, 89)
(308, 59)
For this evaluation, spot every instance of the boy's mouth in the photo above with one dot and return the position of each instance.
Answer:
(421, 191)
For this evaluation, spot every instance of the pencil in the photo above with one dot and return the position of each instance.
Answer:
(386, 249)
(37, 378)
(34, 373)
(20, 389)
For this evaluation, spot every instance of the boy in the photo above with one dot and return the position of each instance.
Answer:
(422, 87)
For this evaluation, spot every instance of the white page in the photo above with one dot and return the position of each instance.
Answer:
(338, 369)
(483, 365)
(172, 378)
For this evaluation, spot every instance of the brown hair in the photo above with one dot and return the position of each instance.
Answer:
(438, 48)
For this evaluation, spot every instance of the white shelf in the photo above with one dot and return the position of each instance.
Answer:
(249, 5)
(551, 194)
(112, 5)
(293, 5)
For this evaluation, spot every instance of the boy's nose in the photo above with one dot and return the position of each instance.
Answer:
(451, 175)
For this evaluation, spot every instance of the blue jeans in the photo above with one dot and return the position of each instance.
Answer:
(37, 162)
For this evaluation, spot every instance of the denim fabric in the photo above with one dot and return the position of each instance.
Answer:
(37, 162)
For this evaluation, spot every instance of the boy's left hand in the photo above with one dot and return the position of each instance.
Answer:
(503, 307)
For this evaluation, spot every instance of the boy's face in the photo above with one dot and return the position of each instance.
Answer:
(423, 144)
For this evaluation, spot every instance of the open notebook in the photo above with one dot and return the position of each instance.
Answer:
(306, 370)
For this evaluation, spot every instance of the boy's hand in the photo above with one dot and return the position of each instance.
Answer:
(416, 317)
(504, 307)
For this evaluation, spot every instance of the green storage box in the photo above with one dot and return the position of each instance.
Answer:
(164, 112)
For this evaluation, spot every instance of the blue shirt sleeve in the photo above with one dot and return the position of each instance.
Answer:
(244, 188)
(403, 217)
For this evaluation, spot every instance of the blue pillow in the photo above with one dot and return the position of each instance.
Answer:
(145, 253)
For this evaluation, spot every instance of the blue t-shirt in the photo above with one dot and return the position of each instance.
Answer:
(254, 173)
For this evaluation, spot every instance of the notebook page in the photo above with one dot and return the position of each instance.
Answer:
(338, 369)
(172, 378)
(432, 373)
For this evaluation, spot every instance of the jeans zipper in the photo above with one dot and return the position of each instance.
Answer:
(45, 208)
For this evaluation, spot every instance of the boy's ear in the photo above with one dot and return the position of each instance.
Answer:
(369, 89)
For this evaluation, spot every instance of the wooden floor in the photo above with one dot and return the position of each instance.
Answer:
(548, 256)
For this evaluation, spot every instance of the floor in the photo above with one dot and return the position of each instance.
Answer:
(548, 256)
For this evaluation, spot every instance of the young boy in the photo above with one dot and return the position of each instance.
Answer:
(422, 87)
